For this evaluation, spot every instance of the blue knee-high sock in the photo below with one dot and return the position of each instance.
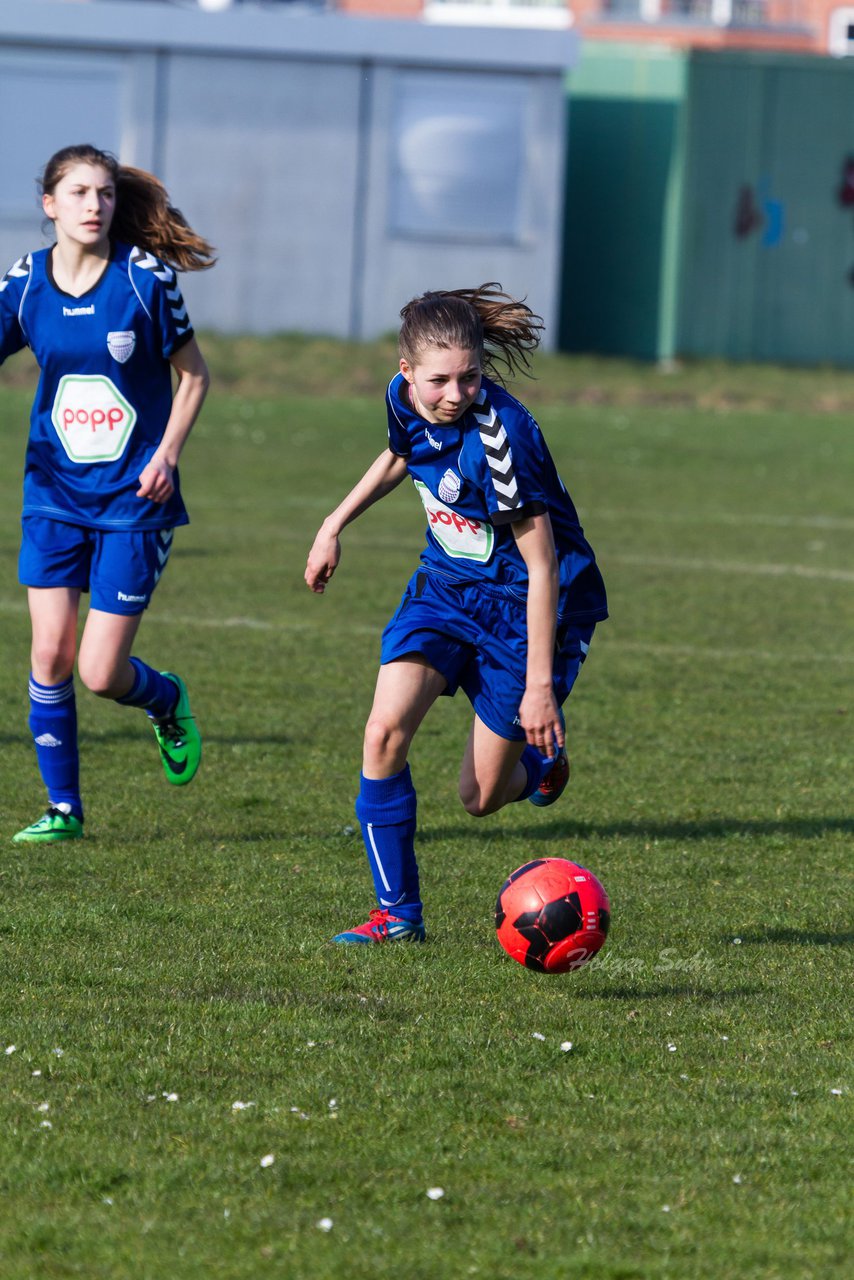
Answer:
(155, 693)
(53, 724)
(385, 808)
(536, 767)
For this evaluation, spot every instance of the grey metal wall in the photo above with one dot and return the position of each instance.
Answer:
(340, 165)
(768, 253)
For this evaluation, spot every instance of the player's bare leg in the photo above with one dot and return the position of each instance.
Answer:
(105, 647)
(405, 691)
(491, 774)
(106, 667)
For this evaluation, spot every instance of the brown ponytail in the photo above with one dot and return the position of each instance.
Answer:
(501, 329)
(144, 216)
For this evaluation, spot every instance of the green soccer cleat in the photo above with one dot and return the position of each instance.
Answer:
(53, 825)
(178, 738)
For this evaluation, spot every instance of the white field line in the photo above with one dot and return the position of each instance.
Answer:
(254, 624)
(735, 566)
(218, 624)
(721, 655)
(735, 519)
(678, 563)
(286, 625)
(731, 518)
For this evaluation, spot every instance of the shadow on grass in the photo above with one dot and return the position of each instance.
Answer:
(286, 996)
(686, 990)
(710, 829)
(140, 731)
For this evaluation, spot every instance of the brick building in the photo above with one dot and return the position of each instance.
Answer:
(811, 26)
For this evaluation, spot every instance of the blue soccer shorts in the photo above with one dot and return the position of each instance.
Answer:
(477, 638)
(119, 568)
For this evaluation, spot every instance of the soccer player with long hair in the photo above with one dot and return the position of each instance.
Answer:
(102, 312)
(505, 599)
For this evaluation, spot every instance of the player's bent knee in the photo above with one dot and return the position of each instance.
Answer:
(384, 742)
(481, 808)
(50, 665)
(478, 803)
(100, 680)
(101, 688)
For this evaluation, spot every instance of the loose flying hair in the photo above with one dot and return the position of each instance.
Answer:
(144, 216)
(502, 329)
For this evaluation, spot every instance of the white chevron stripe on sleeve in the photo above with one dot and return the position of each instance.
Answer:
(501, 467)
(499, 455)
(16, 271)
(508, 496)
(142, 258)
(148, 262)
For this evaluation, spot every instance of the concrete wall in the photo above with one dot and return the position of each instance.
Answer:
(340, 165)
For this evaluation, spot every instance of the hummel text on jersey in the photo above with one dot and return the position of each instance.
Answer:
(120, 595)
(79, 311)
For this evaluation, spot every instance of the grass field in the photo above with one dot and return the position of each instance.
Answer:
(176, 962)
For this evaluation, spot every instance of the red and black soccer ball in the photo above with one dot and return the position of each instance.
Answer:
(552, 915)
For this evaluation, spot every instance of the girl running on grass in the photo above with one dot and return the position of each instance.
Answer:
(103, 314)
(505, 599)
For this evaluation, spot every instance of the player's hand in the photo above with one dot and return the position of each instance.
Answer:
(156, 482)
(322, 561)
(539, 716)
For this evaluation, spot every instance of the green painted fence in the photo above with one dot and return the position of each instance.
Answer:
(704, 209)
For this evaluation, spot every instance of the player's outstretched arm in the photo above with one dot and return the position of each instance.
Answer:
(381, 477)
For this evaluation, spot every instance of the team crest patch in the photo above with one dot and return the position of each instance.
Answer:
(120, 344)
(449, 486)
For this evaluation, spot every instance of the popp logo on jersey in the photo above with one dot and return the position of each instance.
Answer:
(459, 536)
(92, 418)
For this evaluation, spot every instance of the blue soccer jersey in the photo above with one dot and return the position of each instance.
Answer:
(105, 392)
(476, 477)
